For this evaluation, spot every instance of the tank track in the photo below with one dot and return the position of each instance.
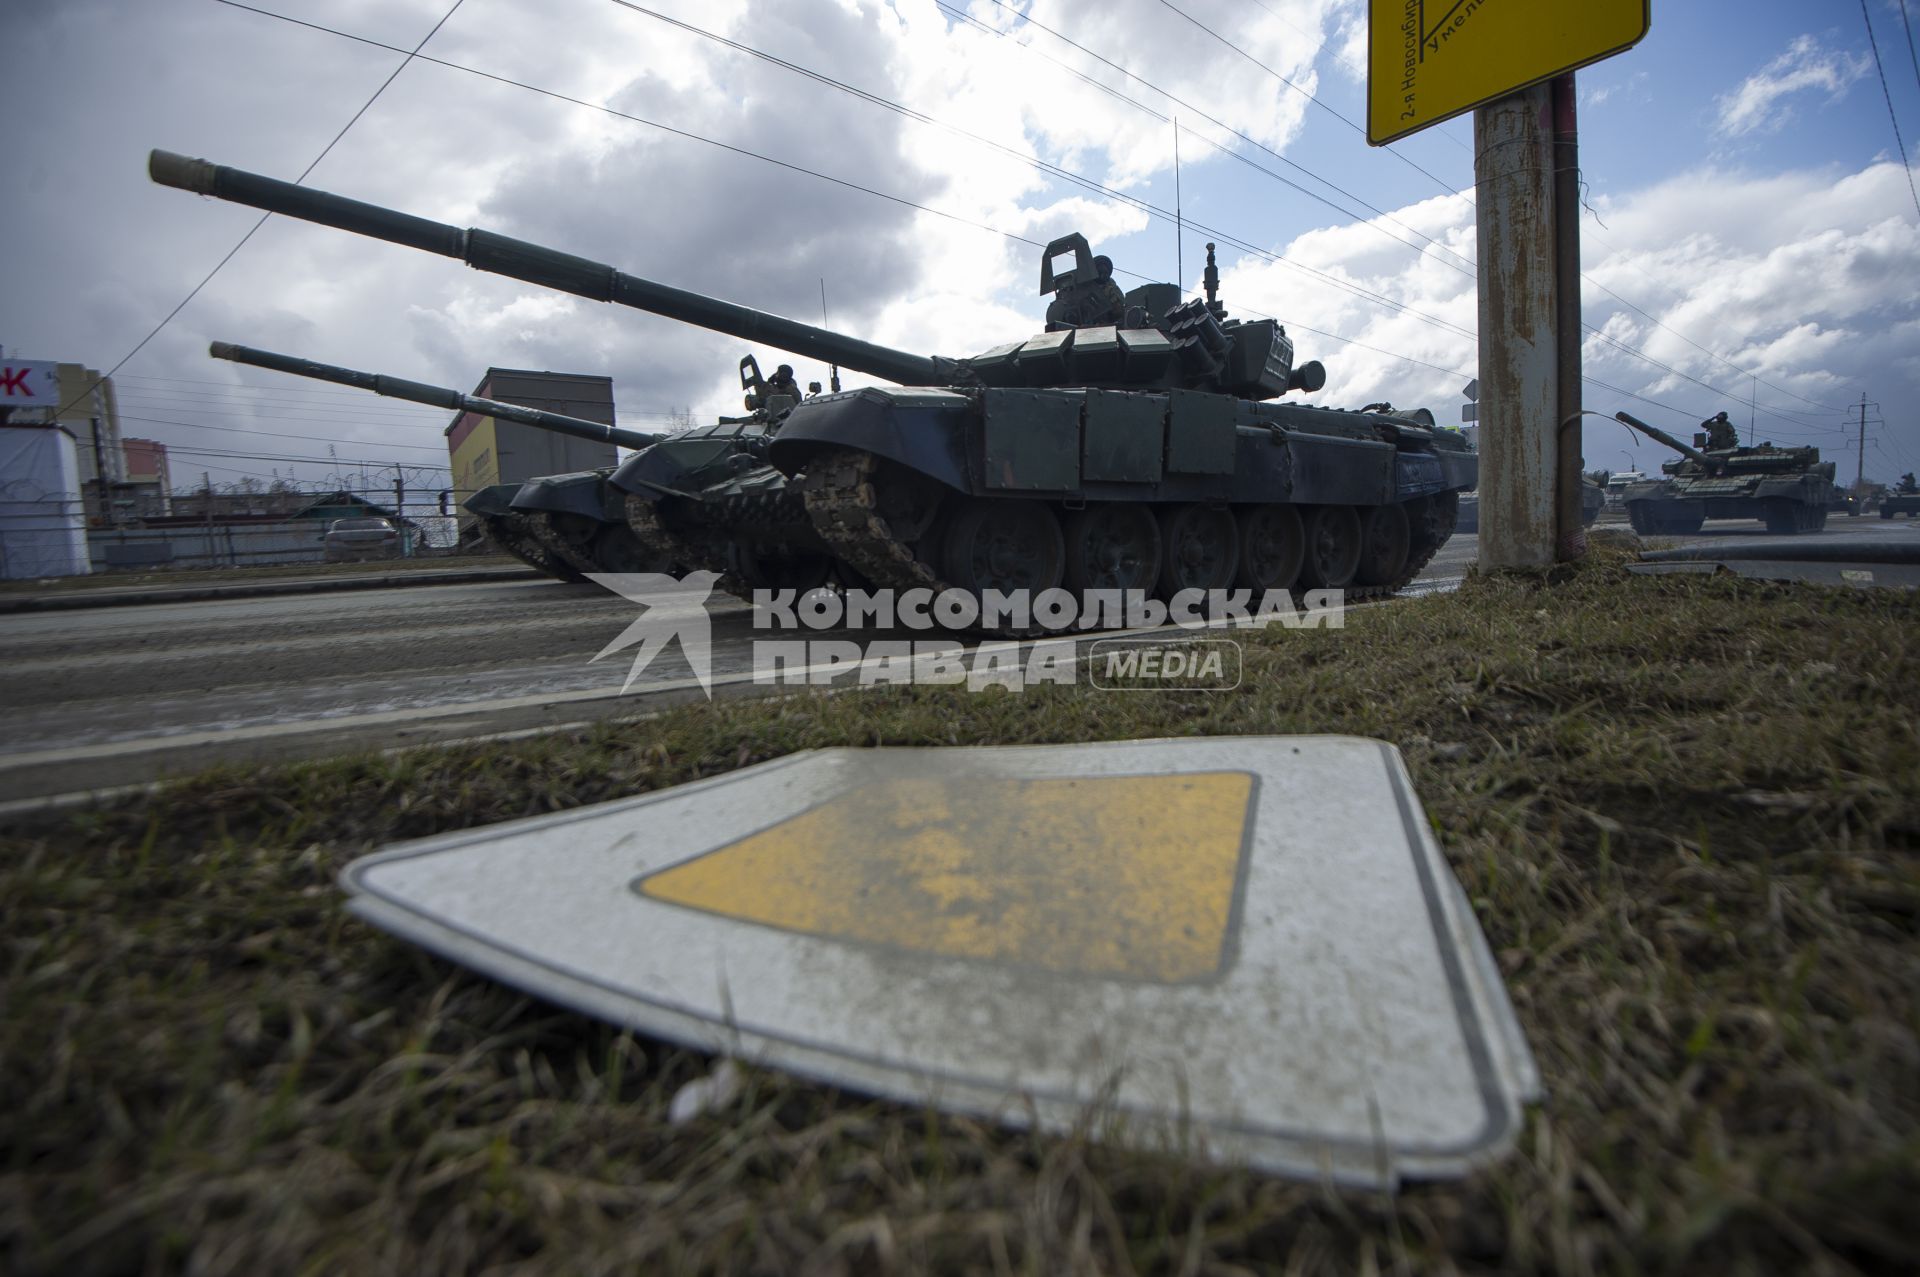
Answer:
(838, 487)
(644, 518)
(557, 543)
(548, 537)
(510, 532)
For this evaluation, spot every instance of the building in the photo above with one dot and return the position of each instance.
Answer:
(43, 529)
(484, 451)
(85, 398)
(146, 491)
(146, 461)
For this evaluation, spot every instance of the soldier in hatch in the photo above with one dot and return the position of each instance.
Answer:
(782, 383)
(1721, 433)
(1907, 484)
(1091, 304)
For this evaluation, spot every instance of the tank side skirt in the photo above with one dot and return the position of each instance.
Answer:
(839, 491)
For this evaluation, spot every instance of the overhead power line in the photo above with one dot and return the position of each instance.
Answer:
(1912, 57)
(1085, 183)
(1155, 211)
(1357, 128)
(1191, 108)
(1457, 262)
(208, 279)
(1253, 250)
(1894, 119)
(726, 146)
(235, 430)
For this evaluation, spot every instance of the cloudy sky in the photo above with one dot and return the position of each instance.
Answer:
(1752, 241)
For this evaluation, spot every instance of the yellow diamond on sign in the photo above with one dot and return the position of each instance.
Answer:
(1132, 877)
(1429, 60)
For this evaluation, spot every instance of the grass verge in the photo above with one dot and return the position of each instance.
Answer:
(1686, 810)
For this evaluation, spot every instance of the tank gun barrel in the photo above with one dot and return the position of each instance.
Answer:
(1660, 436)
(438, 396)
(518, 259)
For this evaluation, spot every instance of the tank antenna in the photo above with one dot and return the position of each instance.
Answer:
(833, 369)
(1212, 278)
(1179, 268)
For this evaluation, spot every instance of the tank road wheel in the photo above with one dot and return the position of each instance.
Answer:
(1782, 517)
(1199, 548)
(1640, 515)
(1004, 545)
(1333, 547)
(1273, 544)
(616, 549)
(1113, 545)
(1385, 541)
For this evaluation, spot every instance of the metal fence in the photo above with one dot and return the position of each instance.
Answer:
(219, 545)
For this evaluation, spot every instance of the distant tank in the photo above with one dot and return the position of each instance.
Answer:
(564, 525)
(1788, 489)
(1902, 499)
(1132, 445)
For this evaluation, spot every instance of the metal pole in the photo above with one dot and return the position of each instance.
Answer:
(1519, 398)
(1179, 263)
(1571, 533)
(99, 469)
(1860, 465)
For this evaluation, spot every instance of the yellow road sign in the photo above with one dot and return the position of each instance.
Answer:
(1126, 877)
(1429, 60)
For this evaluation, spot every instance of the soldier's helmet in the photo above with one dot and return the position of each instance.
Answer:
(784, 372)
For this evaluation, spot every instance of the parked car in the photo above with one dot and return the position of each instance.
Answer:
(347, 540)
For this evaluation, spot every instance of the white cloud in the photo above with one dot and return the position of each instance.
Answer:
(1756, 105)
(1802, 279)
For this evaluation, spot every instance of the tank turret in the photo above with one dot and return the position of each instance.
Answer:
(1144, 340)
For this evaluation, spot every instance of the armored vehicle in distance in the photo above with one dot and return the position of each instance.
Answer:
(1903, 498)
(1133, 445)
(563, 525)
(1788, 489)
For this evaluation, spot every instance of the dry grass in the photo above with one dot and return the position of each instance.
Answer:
(1686, 810)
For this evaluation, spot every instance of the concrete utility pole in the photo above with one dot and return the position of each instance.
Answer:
(1570, 530)
(1860, 463)
(1513, 172)
(99, 470)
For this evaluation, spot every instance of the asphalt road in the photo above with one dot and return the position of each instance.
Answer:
(124, 695)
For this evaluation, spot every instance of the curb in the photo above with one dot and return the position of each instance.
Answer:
(80, 599)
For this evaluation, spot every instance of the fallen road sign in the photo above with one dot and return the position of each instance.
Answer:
(1247, 947)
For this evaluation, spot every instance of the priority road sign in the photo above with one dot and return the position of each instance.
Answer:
(1430, 60)
(1251, 947)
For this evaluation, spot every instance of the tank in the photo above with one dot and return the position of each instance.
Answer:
(1134, 444)
(1788, 489)
(563, 525)
(1902, 498)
